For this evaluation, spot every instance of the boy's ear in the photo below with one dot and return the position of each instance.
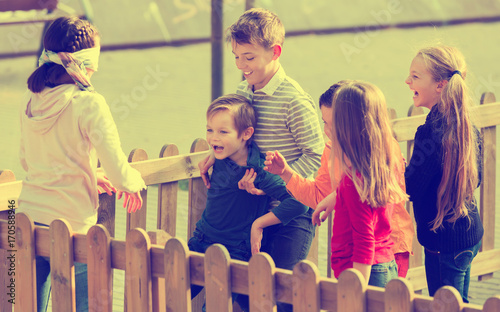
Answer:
(276, 51)
(247, 134)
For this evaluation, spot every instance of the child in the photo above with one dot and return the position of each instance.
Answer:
(287, 120)
(362, 140)
(445, 169)
(233, 217)
(63, 124)
(311, 193)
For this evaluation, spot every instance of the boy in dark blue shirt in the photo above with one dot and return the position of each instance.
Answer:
(233, 217)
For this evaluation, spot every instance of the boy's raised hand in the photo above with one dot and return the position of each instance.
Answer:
(204, 165)
(246, 183)
(131, 201)
(326, 205)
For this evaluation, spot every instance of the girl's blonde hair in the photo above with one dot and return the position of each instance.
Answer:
(460, 172)
(362, 135)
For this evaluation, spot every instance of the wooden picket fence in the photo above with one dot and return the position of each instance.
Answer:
(153, 270)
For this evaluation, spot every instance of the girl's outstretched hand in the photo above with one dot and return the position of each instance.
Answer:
(326, 205)
(246, 183)
(204, 166)
(131, 201)
(104, 185)
(275, 163)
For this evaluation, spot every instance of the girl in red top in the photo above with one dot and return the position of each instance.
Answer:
(362, 139)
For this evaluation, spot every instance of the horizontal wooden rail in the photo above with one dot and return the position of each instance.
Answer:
(154, 171)
(288, 286)
(484, 262)
(486, 115)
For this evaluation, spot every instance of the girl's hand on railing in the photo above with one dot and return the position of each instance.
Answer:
(246, 183)
(131, 201)
(204, 166)
(104, 185)
(326, 205)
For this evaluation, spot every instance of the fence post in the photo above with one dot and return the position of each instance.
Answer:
(417, 259)
(26, 285)
(62, 270)
(138, 219)
(99, 272)
(197, 191)
(492, 304)
(351, 291)
(398, 296)
(217, 48)
(5, 305)
(447, 299)
(167, 197)
(107, 210)
(306, 294)
(488, 185)
(138, 271)
(158, 237)
(177, 276)
(261, 283)
(218, 279)
(197, 200)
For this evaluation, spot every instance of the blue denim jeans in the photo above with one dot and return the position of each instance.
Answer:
(199, 243)
(382, 273)
(43, 285)
(451, 269)
(289, 244)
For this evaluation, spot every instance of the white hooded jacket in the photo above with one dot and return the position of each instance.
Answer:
(63, 132)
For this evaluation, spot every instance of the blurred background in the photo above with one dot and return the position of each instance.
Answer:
(155, 65)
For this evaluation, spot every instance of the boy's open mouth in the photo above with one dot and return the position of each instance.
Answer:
(218, 148)
(415, 93)
(246, 74)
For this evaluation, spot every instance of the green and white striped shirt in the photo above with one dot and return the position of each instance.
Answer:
(287, 121)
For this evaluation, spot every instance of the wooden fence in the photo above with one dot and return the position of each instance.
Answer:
(152, 269)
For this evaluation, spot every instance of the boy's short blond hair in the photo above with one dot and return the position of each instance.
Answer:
(257, 26)
(240, 108)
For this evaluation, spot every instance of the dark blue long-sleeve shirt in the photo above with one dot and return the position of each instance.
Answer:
(230, 212)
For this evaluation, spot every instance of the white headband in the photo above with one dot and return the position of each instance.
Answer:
(75, 64)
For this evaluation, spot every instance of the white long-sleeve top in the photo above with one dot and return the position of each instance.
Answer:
(63, 133)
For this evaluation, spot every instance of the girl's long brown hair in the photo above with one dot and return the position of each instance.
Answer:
(362, 139)
(460, 172)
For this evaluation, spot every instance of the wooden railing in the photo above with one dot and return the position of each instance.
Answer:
(170, 168)
(172, 268)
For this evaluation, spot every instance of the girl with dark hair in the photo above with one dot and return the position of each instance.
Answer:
(65, 126)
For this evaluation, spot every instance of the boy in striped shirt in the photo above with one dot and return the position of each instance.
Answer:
(287, 122)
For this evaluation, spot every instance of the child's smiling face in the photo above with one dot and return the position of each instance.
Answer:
(257, 63)
(426, 91)
(223, 137)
